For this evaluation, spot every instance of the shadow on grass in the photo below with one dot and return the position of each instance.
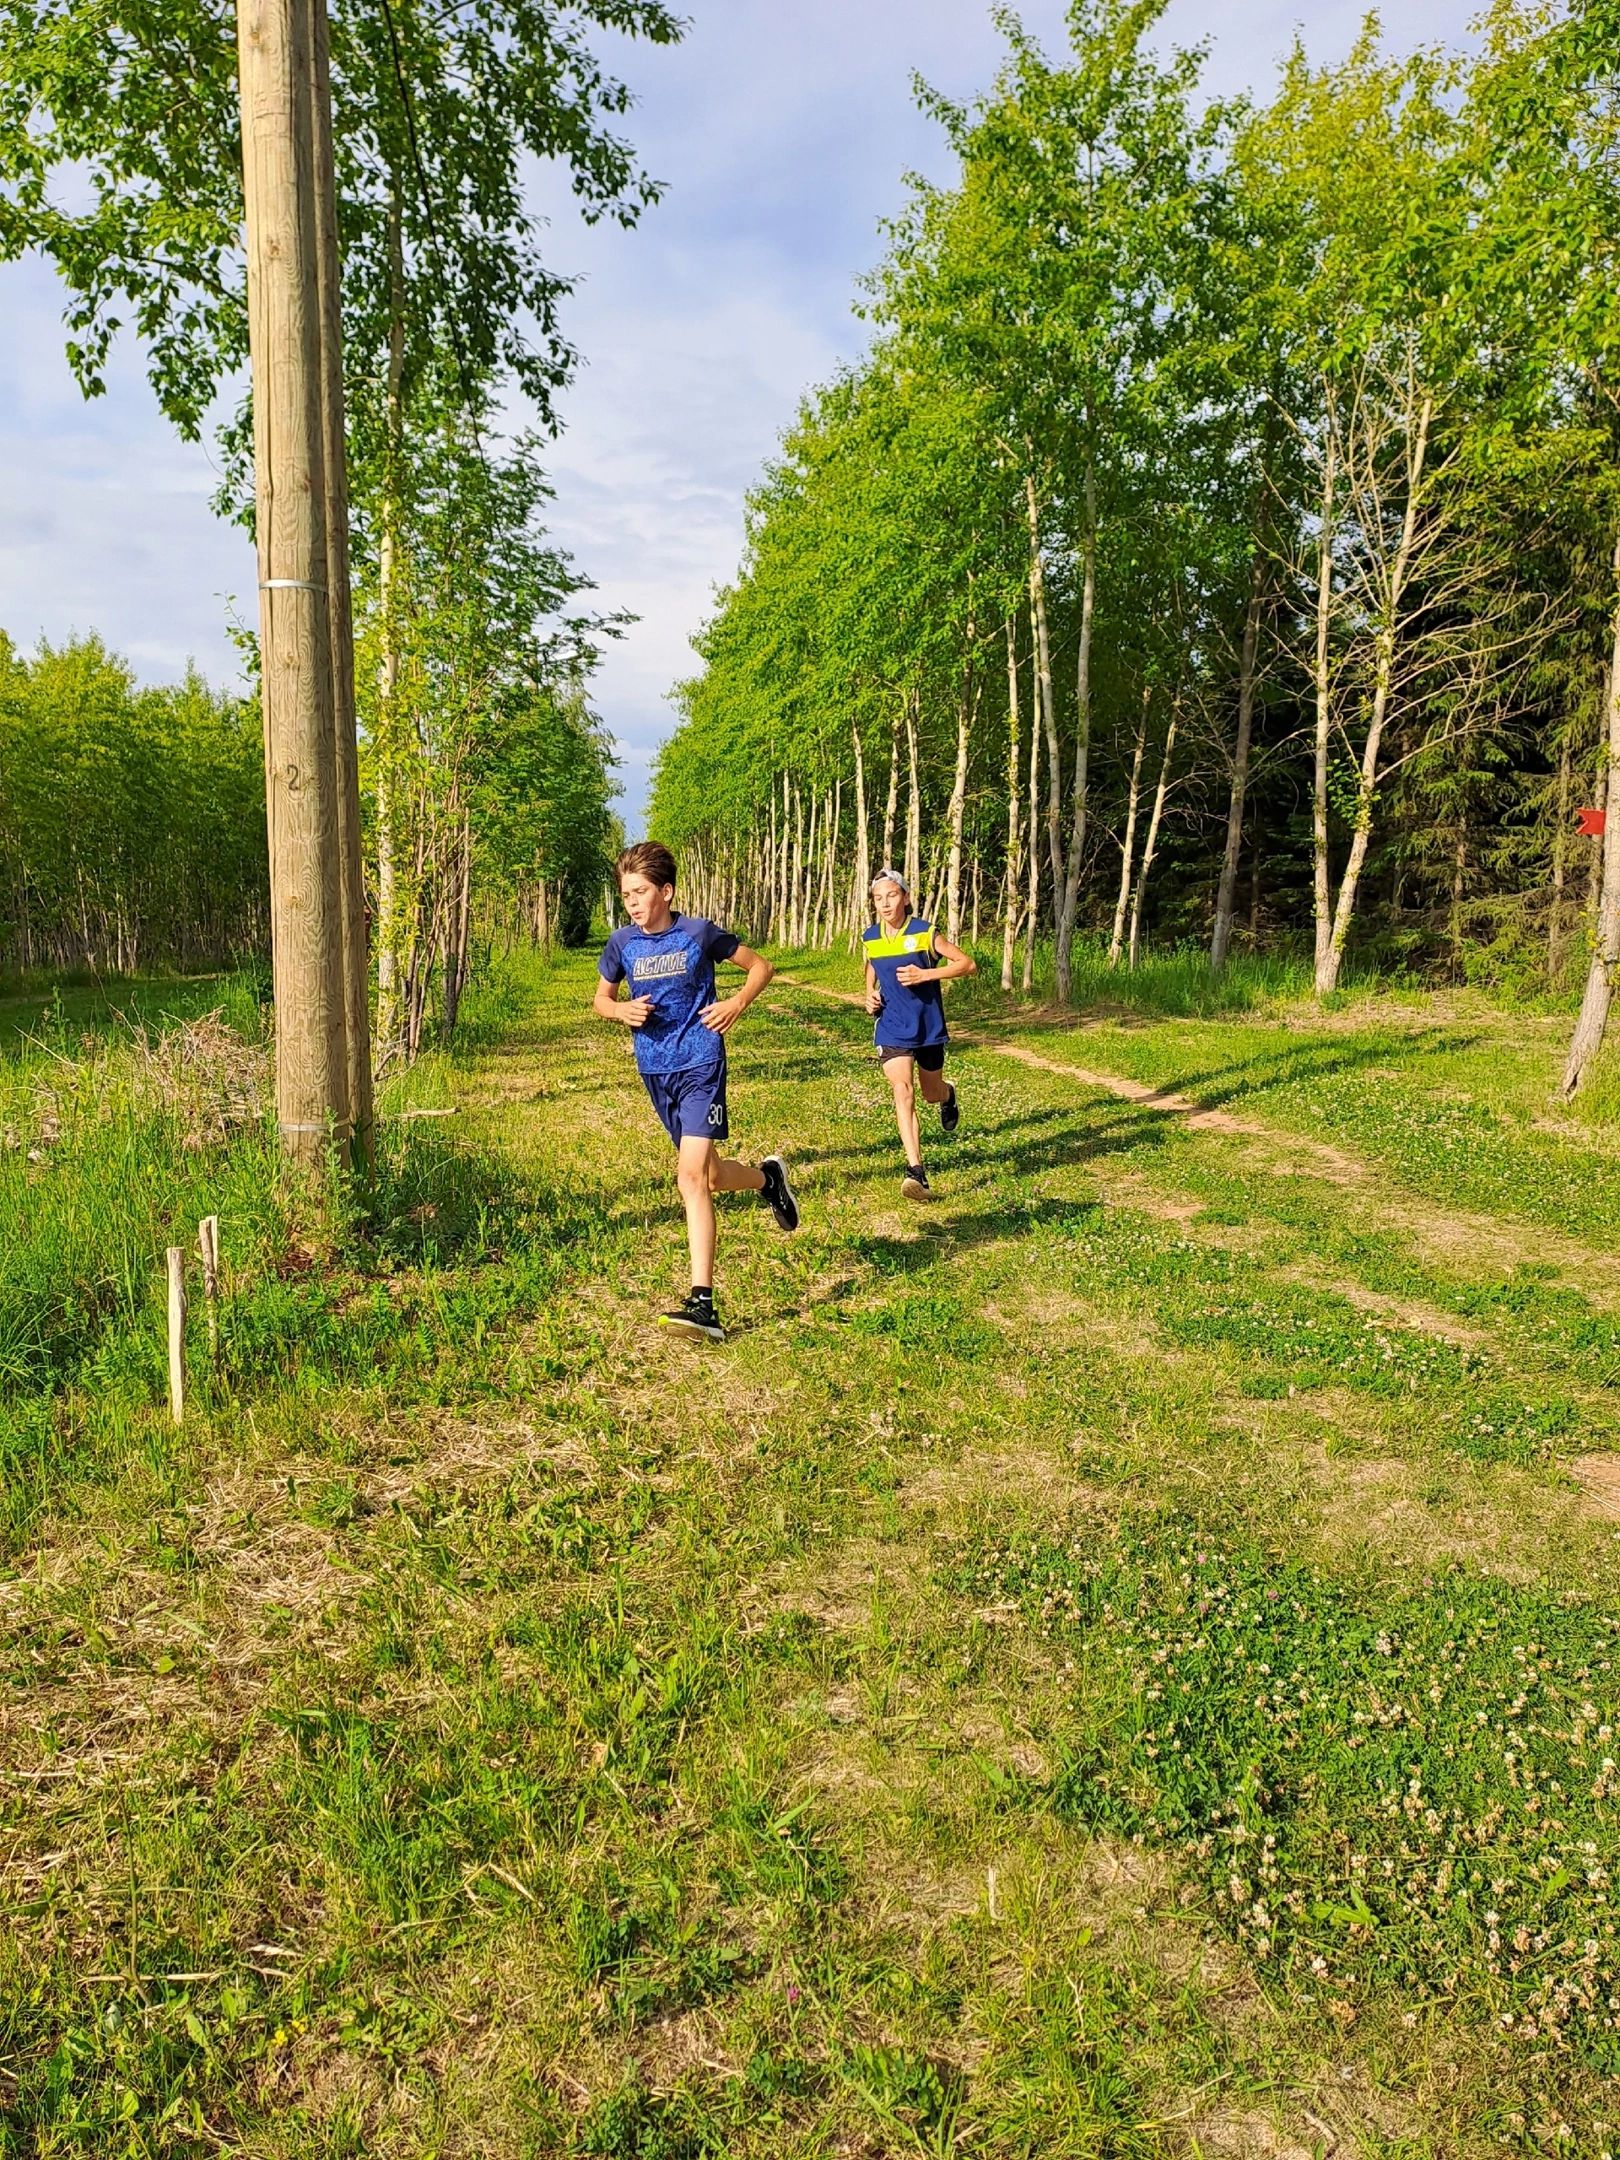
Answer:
(1041, 1140)
(1218, 1086)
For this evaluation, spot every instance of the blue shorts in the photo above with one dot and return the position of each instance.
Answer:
(690, 1105)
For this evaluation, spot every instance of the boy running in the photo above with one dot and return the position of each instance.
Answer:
(906, 961)
(680, 1030)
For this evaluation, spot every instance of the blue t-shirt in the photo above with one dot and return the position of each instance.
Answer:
(913, 1015)
(674, 968)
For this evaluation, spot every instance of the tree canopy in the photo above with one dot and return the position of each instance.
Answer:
(1257, 458)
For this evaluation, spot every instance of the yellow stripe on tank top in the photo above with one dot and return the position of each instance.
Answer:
(895, 948)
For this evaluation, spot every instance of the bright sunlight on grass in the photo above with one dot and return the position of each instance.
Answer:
(1120, 1662)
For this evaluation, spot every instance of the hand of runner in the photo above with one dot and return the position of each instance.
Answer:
(719, 1017)
(636, 1012)
(874, 999)
(911, 974)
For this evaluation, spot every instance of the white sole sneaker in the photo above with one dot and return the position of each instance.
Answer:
(684, 1324)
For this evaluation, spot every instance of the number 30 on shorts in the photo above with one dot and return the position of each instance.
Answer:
(717, 1113)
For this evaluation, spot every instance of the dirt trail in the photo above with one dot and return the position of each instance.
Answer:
(1345, 1169)
(1441, 1231)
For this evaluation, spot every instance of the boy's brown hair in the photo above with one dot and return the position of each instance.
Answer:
(649, 859)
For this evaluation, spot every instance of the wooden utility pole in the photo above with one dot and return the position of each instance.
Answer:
(303, 589)
(334, 444)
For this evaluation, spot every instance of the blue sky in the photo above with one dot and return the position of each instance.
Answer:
(783, 129)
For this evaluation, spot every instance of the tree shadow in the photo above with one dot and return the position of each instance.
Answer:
(1293, 1065)
(939, 1235)
(1041, 1140)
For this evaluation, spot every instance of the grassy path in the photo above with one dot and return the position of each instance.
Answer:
(1116, 1663)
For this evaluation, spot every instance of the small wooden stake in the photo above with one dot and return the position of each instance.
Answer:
(208, 1247)
(177, 1333)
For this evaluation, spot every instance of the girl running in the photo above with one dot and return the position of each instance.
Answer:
(906, 961)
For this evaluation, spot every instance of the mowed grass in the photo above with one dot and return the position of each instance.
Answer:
(1119, 1662)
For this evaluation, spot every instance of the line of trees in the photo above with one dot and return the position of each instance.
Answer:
(488, 781)
(131, 819)
(1221, 534)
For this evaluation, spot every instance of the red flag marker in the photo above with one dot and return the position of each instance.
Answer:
(1591, 821)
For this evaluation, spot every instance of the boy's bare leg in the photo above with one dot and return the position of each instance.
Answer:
(692, 1174)
(935, 1086)
(897, 1071)
(727, 1176)
(701, 1171)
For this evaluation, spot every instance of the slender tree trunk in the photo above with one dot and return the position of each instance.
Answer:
(811, 868)
(1226, 888)
(1254, 885)
(1555, 914)
(797, 901)
(1043, 680)
(1009, 920)
(835, 818)
(973, 934)
(1321, 888)
(1327, 973)
(1150, 845)
(935, 877)
(1594, 861)
(387, 746)
(863, 859)
(1033, 902)
(893, 803)
(914, 803)
(790, 876)
(418, 957)
(776, 873)
(804, 841)
(460, 941)
(1594, 1014)
(1127, 851)
(1078, 799)
(958, 803)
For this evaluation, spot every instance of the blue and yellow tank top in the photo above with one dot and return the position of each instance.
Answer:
(913, 1014)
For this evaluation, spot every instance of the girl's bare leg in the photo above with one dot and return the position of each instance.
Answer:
(898, 1073)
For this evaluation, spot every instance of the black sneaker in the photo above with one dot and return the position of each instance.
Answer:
(778, 1193)
(915, 1183)
(950, 1113)
(695, 1316)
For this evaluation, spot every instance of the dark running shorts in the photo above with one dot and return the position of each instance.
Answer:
(690, 1105)
(930, 1056)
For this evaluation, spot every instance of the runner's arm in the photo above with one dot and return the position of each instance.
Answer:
(719, 1016)
(874, 996)
(957, 964)
(608, 1005)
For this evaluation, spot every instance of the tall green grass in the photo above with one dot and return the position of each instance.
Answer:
(119, 1131)
(1174, 982)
